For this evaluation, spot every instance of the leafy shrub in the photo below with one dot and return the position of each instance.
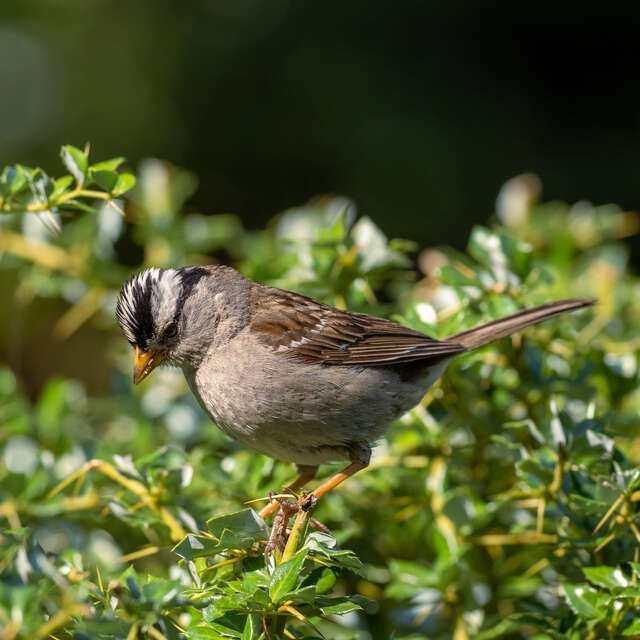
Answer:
(503, 506)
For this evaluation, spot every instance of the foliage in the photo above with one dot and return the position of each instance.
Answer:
(504, 506)
(25, 189)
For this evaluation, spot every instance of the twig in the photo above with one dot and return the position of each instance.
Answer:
(137, 488)
(296, 535)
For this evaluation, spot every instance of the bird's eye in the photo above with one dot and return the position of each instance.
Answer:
(171, 331)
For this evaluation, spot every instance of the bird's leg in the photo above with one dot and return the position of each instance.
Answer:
(278, 535)
(360, 454)
(306, 473)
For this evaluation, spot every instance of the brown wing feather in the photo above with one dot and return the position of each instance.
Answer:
(294, 324)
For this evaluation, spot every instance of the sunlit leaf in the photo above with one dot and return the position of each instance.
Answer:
(76, 162)
(124, 182)
(107, 165)
(105, 179)
(583, 599)
(285, 576)
(608, 577)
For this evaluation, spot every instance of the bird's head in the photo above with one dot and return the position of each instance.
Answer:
(172, 316)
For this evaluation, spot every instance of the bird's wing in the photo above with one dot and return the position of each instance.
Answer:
(293, 324)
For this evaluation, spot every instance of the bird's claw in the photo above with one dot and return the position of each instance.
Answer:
(278, 535)
(279, 532)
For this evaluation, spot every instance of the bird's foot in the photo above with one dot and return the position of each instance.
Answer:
(307, 502)
(278, 536)
(279, 531)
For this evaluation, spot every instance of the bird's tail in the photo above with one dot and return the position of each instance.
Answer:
(485, 333)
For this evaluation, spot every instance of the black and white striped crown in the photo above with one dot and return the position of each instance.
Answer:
(153, 298)
(134, 309)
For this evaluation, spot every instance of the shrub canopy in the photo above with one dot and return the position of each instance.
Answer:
(503, 506)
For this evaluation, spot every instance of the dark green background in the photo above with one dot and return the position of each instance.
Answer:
(417, 110)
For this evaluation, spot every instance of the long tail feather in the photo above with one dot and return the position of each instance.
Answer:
(485, 333)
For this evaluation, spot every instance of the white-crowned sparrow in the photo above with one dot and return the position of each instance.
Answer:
(286, 375)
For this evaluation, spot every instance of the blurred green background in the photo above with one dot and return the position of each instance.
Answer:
(419, 111)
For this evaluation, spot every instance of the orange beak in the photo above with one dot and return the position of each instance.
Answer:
(145, 362)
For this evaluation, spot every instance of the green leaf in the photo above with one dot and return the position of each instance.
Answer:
(585, 505)
(583, 599)
(483, 244)
(238, 530)
(442, 545)
(557, 430)
(60, 186)
(326, 581)
(514, 623)
(245, 523)
(107, 165)
(41, 185)
(15, 178)
(211, 632)
(76, 162)
(238, 598)
(524, 431)
(252, 628)
(51, 407)
(534, 472)
(125, 182)
(196, 546)
(105, 179)
(6, 177)
(633, 629)
(374, 247)
(634, 481)
(608, 577)
(325, 545)
(341, 608)
(305, 595)
(501, 252)
(163, 590)
(285, 576)
(452, 276)
(133, 587)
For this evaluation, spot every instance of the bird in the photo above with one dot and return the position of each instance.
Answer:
(286, 375)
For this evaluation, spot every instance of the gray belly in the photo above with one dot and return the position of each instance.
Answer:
(302, 413)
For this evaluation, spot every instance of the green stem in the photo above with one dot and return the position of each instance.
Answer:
(5, 205)
(296, 535)
(82, 193)
(295, 538)
(277, 626)
(558, 475)
(277, 556)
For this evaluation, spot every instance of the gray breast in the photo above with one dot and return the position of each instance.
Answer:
(303, 413)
